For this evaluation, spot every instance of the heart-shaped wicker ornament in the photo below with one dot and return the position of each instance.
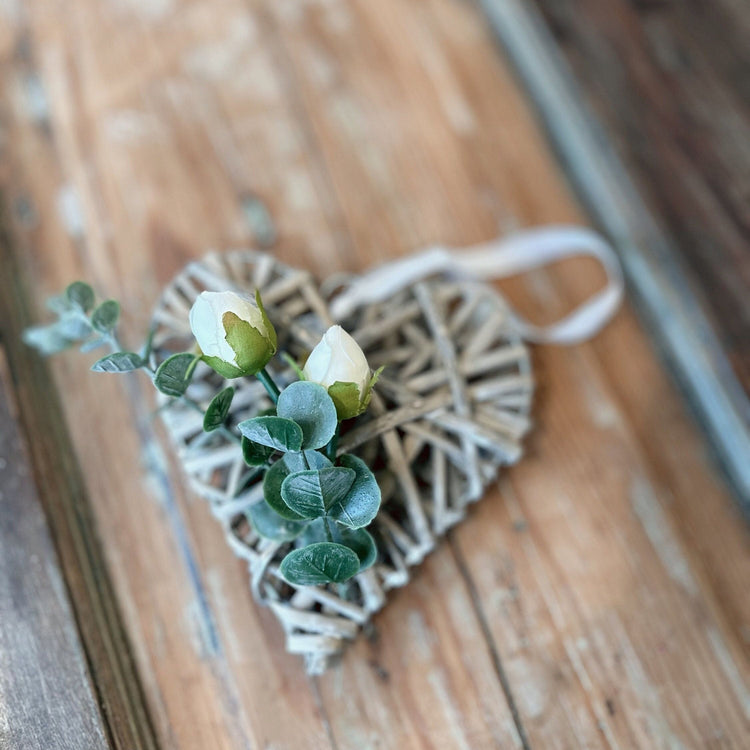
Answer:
(449, 410)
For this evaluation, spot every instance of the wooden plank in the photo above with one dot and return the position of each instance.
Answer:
(46, 697)
(669, 82)
(599, 600)
(666, 267)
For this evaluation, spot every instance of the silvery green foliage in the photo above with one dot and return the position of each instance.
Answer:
(313, 499)
(73, 325)
(81, 321)
(322, 504)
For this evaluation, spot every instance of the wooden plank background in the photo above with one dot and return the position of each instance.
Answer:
(596, 598)
(670, 82)
(40, 651)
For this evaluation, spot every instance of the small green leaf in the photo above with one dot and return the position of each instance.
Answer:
(58, 304)
(272, 482)
(81, 294)
(47, 339)
(359, 541)
(275, 432)
(255, 454)
(310, 493)
(105, 317)
(324, 562)
(362, 502)
(306, 460)
(74, 325)
(310, 406)
(118, 362)
(218, 410)
(173, 374)
(271, 525)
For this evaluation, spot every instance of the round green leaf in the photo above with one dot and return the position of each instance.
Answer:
(272, 482)
(361, 503)
(324, 562)
(269, 524)
(46, 339)
(310, 493)
(359, 541)
(310, 406)
(255, 454)
(275, 432)
(218, 410)
(81, 294)
(174, 373)
(105, 317)
(118, 362)
(304, 460)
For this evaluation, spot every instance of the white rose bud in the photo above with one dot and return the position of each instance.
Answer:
(235, 336)
(340, 366)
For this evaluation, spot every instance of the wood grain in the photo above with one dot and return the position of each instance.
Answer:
(598, 598)
(669, 80)
(46, 697)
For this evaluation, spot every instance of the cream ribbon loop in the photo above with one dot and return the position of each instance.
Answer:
(507, 256)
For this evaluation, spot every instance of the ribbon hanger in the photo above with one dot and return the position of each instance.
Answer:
(508, 256)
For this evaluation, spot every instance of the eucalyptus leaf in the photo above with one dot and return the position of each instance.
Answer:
(80, 294)
(105, 317)
(255, 454)
(271, 525)
(310, 493)
(74, 325)
(359, 541)
(303, 460)
(310, 406)
(324, 562)
(118, 362)
(275, 432)
(173, 374)
(46, 339)
(58, 304)
(361, 504)
(272, 482)
(218, 410)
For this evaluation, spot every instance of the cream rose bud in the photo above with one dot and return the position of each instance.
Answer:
(235, 336)
(338, 364)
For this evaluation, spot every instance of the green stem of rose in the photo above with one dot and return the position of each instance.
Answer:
(268, 384)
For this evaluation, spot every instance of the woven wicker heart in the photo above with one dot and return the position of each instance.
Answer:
(449, 411)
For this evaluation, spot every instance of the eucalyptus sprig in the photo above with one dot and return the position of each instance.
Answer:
(315, 499)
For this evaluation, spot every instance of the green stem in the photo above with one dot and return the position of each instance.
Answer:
(268, 384)
(329, 533)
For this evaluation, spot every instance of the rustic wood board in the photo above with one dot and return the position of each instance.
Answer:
(670, 82)
(666, 183)
(597, 598)
(46, 697)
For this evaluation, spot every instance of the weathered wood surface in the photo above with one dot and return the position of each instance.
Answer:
(670, 82)
(46, 697)
(669, 300)
(598, 598)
